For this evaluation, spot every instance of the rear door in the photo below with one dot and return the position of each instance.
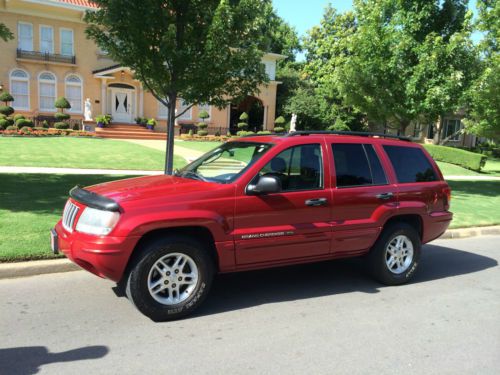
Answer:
(291, 224)
(362, 196)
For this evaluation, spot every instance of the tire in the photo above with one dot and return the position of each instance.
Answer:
(163, 291)
(395, 256)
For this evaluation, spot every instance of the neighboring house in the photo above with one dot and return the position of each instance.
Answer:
(50, 56)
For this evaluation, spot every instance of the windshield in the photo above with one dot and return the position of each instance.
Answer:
(225, 163)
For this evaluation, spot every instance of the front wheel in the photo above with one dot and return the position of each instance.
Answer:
(171, 279)
(395, 256)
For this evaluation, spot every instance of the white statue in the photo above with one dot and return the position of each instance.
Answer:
(293, 122)
(176, 121)
(88, 110)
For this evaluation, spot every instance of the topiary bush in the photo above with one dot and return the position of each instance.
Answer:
(12, 127)
(6, 97)
(61, 125)
(279, 129)
(22, 122)
(264, 132)
(202, 133)
(6, 110)
(2, 116)
(62, 103)
(203, 115)
(243, 133)
(60, 116)
(75, 126)
(26, 130)
(452, 155)
(18, 117)
(280, 121)
(45, 124)
(3, 124)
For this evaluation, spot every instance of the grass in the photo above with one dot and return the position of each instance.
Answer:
(198, 145)
(475, 203)
(491, 168)
(30, 205)
(66, 152)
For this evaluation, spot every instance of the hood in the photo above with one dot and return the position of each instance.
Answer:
(150, 186)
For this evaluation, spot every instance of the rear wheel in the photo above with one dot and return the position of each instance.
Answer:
(171, 278)
(395, 256)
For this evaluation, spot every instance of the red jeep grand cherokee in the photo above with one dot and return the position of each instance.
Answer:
(256, 202)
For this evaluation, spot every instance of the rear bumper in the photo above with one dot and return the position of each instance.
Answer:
(436, 224)
(104, 256)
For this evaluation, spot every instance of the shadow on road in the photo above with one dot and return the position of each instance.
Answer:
(27, 360)
(247, 289)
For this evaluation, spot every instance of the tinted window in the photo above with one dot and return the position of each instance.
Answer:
(298, 168)
(410, 164)
(356, 165)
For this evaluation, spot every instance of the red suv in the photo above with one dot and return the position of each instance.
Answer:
(258, 202)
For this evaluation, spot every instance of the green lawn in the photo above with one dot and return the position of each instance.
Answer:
(197, 145)
(492, 168)
(80, 153)
(31, 204)
(475, 203)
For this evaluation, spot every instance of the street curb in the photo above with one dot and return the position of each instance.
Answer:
(36, 267)
(40, 267)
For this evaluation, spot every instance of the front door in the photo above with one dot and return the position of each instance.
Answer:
(291, 224)
(121, 106)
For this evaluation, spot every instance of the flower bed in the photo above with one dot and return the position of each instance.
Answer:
(42, 132)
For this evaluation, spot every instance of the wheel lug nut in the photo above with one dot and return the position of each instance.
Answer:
(168, 273)
(166, 282)
(180, 278)
(176, 271)
(174, 285)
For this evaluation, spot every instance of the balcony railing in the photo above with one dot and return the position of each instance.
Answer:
(44, 56)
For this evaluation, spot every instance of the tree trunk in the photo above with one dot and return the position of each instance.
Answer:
(169, 154)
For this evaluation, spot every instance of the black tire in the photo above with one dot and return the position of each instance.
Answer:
(137, 280)
(378, 256)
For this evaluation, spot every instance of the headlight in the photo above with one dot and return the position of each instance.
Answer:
(98, 222)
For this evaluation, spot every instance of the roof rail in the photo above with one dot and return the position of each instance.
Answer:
(359, 134)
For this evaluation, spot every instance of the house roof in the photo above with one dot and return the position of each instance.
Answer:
(79, 3)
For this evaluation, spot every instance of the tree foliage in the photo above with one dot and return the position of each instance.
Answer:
(203, 51)
(5, 33)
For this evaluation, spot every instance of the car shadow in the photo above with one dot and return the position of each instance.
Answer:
(248, 289)
(28, 360)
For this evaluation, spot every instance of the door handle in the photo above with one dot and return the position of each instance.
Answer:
(384, 196)
(316, 202)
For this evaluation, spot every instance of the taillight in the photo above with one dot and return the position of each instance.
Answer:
(446, 197)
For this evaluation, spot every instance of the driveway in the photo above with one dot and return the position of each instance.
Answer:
(327, 318)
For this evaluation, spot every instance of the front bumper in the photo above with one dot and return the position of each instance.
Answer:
(104, 256)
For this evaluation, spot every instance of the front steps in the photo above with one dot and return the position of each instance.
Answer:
(128, 131)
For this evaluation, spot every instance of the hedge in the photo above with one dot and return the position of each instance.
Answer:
(452, 155)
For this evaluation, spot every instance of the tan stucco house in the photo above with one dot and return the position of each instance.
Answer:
(50, 56)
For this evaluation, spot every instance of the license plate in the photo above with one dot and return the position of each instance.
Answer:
(54, 241)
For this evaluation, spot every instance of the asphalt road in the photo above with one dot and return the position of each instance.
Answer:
(327, 318)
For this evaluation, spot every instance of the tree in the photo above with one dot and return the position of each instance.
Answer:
(408, 60)
(201, 51)
(484, 110)
(5, 33)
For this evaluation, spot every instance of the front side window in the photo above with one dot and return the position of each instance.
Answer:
(182, 108)
(410, 164)
(25, 36)
(162, 110)
(67, 42)
(74, 93)
(225, 163)
(357, 165)
(46, 39)
(47, 91)
(20, 89)
(298, 168)
(451, 129)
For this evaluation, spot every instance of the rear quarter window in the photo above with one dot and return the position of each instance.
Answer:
(410, 164)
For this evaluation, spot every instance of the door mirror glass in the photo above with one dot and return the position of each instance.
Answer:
(265, 185)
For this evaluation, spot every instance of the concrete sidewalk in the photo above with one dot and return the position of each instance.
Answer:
(50, 170)
(39, 267)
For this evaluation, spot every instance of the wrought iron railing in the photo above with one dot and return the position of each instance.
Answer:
(44, 56)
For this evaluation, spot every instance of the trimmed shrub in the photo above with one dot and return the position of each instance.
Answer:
(18, 117)
(6, 110)
(26, 130)
(3, 123)
(279, 129)
(243, 133)
(61, 125)
(203, 115)
(10, 120)
(242, 125)
(244, 117)
(75, 126)
(279, 121)
(62, 103)
(264, 132)
(12, 127)
(2, 116)
(22, 122)
(202, 133)
(45, 124)
(452, 155)
(190, 133)
(60, 116)
(6, 97)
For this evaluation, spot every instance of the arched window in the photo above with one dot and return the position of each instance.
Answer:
(20, 89)
(73, 88)
(47, 91)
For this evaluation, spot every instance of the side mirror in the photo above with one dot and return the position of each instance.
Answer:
(265, 185)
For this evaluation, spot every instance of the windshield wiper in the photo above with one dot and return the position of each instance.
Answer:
(192, 174)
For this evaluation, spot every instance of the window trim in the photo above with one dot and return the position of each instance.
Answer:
(322, 180)
(61, 29)
(19, 23)
(40, 38)
(66, 83)
(161, 117)
(39, 91)
(456, 138)
(334, 169)
(27, 80)
(190, 111)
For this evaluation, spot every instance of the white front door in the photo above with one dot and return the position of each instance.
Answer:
(121, 106)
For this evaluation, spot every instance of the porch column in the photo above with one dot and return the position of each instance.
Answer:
(141, 100)
(228, 117)
(265, 125)
(103, 96)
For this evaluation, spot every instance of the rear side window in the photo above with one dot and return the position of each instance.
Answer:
(357, 165)
(410, 164)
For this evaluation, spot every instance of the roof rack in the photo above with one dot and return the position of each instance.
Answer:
(359, 134)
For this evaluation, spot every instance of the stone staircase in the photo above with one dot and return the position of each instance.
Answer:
(128, 131)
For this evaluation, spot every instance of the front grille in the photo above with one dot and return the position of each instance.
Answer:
(69, 215)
